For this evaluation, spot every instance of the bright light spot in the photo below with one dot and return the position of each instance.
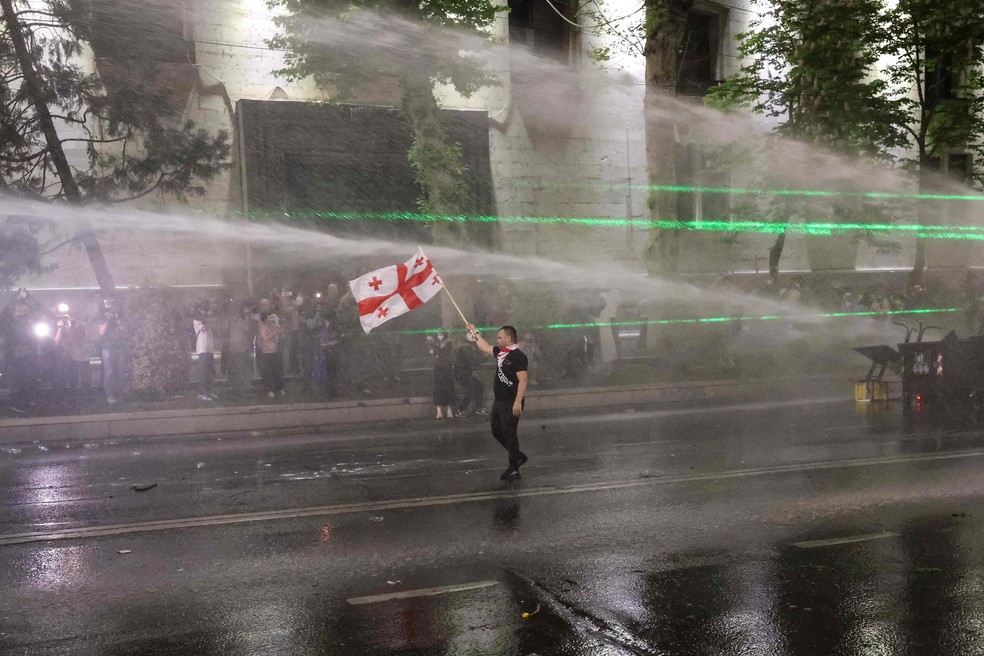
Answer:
(42, 330)
(63, 308)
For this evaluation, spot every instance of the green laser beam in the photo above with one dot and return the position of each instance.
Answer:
(822, 229)
(882, 195)
(670, 322)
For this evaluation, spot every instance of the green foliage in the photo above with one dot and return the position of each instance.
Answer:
(626, 32)
(810, 65)
(20, 250)
(866, 76)
(343, 45)
(158, 341)
(134, 143)
(124, 118)
(447, 188)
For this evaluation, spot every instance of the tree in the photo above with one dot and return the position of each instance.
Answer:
(659, 38)
(343, 45)
(814, 66)
(134, 144)
(665, 21)
(938, 46)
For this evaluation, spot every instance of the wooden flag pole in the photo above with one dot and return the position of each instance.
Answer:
(460, 313)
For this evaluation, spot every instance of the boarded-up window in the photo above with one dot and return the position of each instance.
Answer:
(312, 159)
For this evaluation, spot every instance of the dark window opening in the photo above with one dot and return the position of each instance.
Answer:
(145, 30)
(146, 50)
(542, 28)
(320, 160)
(940, 80)
(695, 168)
(698, 55)
(960, 166)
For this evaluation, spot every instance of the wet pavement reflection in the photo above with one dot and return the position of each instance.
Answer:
(708, 552)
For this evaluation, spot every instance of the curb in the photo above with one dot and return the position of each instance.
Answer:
(176, 423)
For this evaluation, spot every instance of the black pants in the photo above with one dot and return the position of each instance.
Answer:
(23, 374)
(471, 392)
(272, 371)
(206, 373)
(504, 427)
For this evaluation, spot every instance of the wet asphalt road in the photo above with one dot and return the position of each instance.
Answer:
(761, 529)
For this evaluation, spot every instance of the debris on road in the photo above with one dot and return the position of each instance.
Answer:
(124, 551)
(142, 487)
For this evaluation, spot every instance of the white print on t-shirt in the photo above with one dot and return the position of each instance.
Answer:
(500, 358)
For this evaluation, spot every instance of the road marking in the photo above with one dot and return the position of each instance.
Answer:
(467, 497)
(813, 544)
(422, 592)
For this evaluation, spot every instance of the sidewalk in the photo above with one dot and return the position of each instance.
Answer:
(320, 415)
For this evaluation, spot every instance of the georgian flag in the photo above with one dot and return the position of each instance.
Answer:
(395, 290)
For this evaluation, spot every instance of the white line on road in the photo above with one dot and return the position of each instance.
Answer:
(467, 497)
(422, 592)
(830, 542)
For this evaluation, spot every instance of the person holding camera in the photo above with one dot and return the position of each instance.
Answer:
(72, 356)
(271, 360)
(112, 343)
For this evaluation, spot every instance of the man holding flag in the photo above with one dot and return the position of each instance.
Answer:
(509, 387)
(395, 290)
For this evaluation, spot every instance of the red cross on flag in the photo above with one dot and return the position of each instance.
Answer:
(395, 290)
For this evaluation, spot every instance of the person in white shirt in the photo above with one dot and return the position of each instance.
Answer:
(205, 348)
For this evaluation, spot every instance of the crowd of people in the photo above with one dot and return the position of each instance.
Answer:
(281, 333)
(456, 388)
(285, 333)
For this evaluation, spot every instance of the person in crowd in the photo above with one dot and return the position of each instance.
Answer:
(291, 323)
(112, 345)
(204, 325)
(21, 354)
(509, 388)
(73, 348)
(237, 352)
(263, 306)
(271, 360)
(534, 354)
(471, 396)
(442, 351)
(793, 293)
(308, 329)
(607, 332)
(325, 362)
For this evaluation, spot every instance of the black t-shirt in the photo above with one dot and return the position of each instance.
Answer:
(506, 383)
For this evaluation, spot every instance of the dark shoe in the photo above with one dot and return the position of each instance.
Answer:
(522, 460)
(509, 475)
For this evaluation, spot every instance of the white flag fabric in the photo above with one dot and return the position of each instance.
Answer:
(394, 290)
